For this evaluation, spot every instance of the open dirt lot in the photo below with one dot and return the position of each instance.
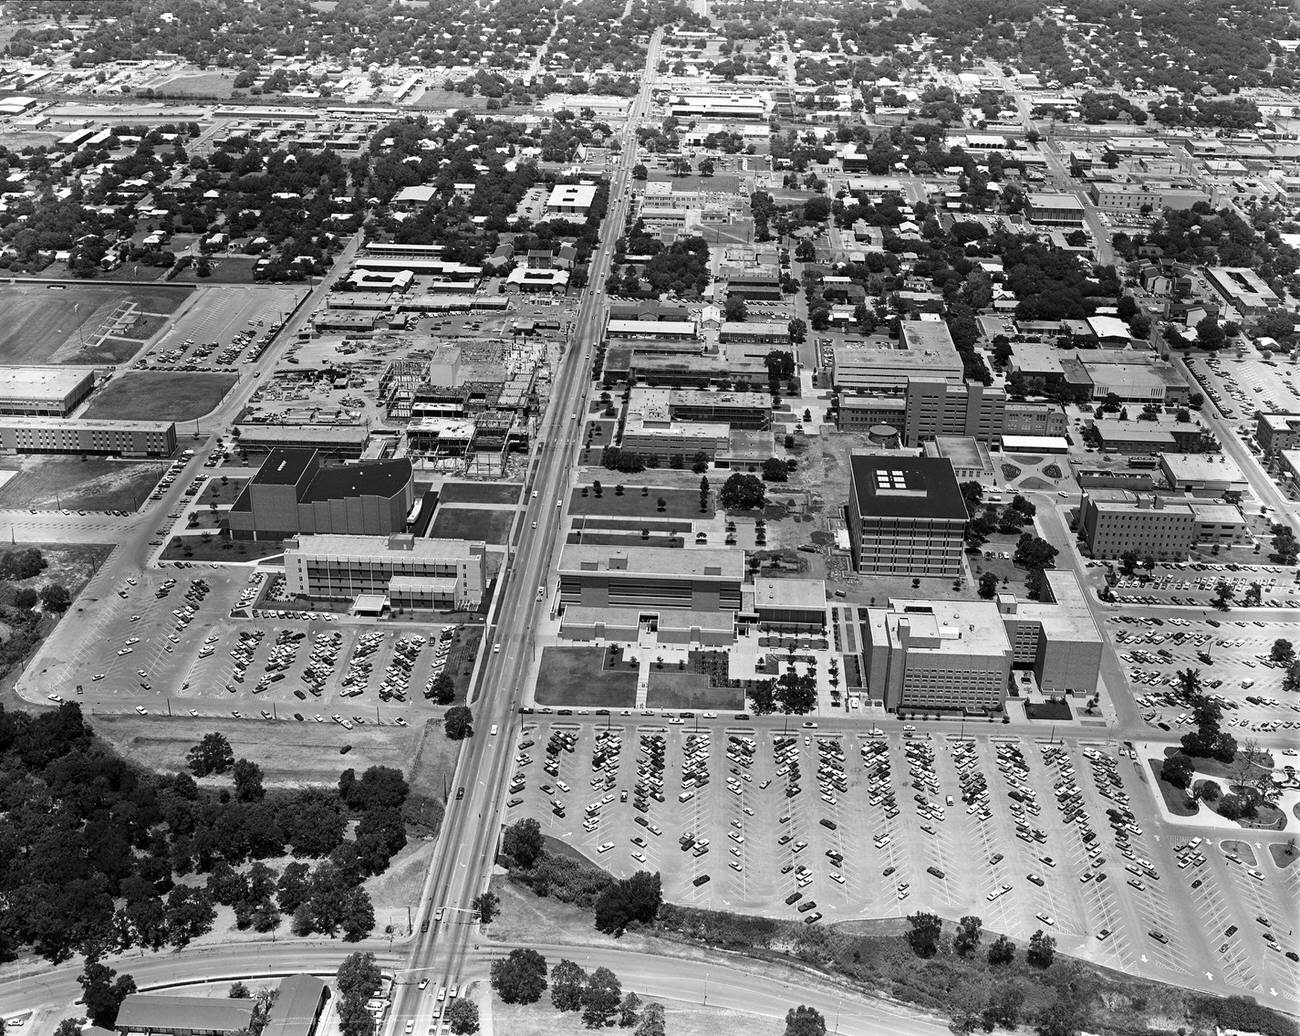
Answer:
(95, 484)
(160, 396)
(39, 321)
(289, 753)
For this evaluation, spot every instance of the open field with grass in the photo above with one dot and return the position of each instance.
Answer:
(479, 493)
(160, 396)
(678, 503)
(541, 1019)
(576, 676)
(670, 689)
(40, 319)
(469, 523)
(96, 484)
(216, 548)
(290, 753)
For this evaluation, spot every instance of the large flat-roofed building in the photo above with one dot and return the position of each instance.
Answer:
(906, 515)
(1146, 195)
(603, 576)
(650, 431)
(1056, 636)
(1148, 437)
(81, 435)
(53, 391)
(334, 440)
(167, 1015)
(726, 107)
(948, 655)
(883, 366)
(1140, 381)
(737, 409)
(571, 199)
(1243, 289)
(1056, 210)
(788, 604)
(970, 458)
(445, 574)
(1219, 523)
(294, 493)
(1277, 432)
(755, 332)
(928, 409)
(1203, 474)
(1112, 521)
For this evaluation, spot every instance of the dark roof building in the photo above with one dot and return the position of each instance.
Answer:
(906, 515)
(183, 1015)
(294, 493)
(298, 1007)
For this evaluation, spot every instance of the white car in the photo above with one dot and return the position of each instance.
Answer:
(1047, 919)
(142, 710)
(604, 847)
(97, 677)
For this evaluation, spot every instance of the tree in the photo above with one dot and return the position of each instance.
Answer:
(520, 977)
(293, 888)
(923, 936)
(706, 166)
(1001, 951)
(68, 1027)
(1209, 335)
(804, 1021)
(380, 835)
(486, 905)
(988, 585)
(462, 1016)
(1177, 770)
(967, 939)
(1042, 950)
(775, 470)
(211, 755)
(742, 493)
(1002, 1009)
(640, 172)
(796, 695)
(1224, 594)
(55, 597)
(1254, 595)
(458, 723)
(1283, 651)
(1291, 681)
(798, 330)
(101, 993)
(443, 689)
(189, 914)
(1128, 562)
(248, 781)
(652, 1020)
(628, 900)
(522, 842)
(1032, 552)
(601, 998)
(358, 976)
(734, 309)
(239, 991)
(629, 1010)
(568, 981)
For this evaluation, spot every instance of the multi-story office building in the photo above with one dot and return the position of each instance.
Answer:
(80, 435)
(950, 655)
(906, 515)
(602, 576)
(294, 493)
(419, 574)
(53, 391)
(1277, 432)
(1055, 210)
(882, 366)
(1112, 521)
(737, 409)
(931, 408)
(1055, 636)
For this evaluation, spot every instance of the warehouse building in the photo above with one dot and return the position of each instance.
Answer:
(293, 492)
(906, 515)
(53, 391)
(83, 436)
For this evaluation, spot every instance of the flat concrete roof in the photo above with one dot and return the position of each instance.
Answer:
(387, 547)
(726, 565)
(38, 383)
(806, 594)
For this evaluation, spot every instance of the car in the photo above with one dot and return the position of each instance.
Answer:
(1046, 918)
(142, 710)
(1158, 935)
(703, 879)
(604, 847)
(1036, 879)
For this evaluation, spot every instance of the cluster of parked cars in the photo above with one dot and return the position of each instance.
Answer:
(397, 676)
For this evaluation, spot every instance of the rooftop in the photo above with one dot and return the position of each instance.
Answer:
(654, 561)
(789, 593)
(41, 382)
(942, 627)
(341, 546)
(161, 1011)
(295, 1009)
(906, 487)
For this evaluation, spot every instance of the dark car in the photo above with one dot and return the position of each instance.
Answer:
(703, 879)
(460, 793)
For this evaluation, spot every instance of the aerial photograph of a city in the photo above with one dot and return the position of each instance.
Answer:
(688, 517)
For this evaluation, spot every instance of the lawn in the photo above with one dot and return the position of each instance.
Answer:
(671, 689)
(1227, 771)
(1284, 853)
(39, 321)
(577, 676)
(95, 484)
(679, 503)
(160, 396)
(1175, 798)
(203, 84)
(541, 1019)
(223, 490)
(479, 493)
(218, 548)
(222, 269)
(1053, 710)
(471, 523)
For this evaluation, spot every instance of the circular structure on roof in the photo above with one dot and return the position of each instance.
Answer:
(884, 435)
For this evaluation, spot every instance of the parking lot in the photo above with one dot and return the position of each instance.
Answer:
(1194, 584)
(1233, 655)
(222, 329)
(1239, 386)
(169, 641)
(828, 826)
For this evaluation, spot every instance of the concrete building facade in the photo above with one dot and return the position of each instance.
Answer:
(1114, 521)
(602, 576)
(79, 435)
(443, 574)
(906, 515)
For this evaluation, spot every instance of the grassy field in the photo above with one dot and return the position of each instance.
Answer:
(160, 396)
(38, 321)
(541, 1019)
(70, 565)
(681, 503)
(225, 269)
(221, 490)
(575, 676)
(291, 754)
(676, 690)
(194, 548)
(465, 523)
(479, 493)
(202, 84)
(96, 484)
